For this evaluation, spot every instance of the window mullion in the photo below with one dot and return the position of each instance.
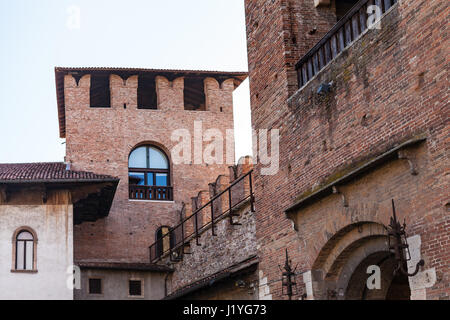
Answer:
(24, 255)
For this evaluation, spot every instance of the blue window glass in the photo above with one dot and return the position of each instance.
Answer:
(149, 174)
(136, 178)
(150, 179)
(161, 179)
(158, 160)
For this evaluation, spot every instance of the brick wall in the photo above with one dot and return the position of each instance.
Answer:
(232, 245)
(389, 86)
(101, 139)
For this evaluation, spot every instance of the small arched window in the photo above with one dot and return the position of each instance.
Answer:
(24, 244)
(149, 174)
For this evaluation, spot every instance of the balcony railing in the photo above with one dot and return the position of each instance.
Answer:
(221, 206)
(344, 33)
(151, 193)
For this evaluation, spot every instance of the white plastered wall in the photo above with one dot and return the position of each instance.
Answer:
(53, 225)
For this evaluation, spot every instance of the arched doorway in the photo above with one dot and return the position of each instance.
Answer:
(340, 271)
(393, 286)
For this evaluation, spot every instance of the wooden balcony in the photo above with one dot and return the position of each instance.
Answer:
(150, 193)
(341, 36)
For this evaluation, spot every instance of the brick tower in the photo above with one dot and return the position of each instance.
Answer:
(116, 118)
(362, 114)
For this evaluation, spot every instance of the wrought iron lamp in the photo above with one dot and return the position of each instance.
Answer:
(398, 245)
(288, 279)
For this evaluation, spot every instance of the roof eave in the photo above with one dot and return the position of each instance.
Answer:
(58, 181)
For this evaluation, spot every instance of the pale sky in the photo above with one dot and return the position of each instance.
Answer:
(36, 36)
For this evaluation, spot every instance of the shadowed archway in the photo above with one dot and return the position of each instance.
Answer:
(340, 271)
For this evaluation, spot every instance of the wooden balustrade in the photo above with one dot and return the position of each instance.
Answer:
(151, 193)
(342, 35)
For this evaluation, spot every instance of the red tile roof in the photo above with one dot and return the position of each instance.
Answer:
(46, 172)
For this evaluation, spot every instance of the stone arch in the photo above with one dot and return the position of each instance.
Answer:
(392, 286)
(344, 239)
(25, 228)
(157, 144)
(339, 271)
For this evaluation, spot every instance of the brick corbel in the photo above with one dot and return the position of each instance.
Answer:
(405, 155)
(337, 190)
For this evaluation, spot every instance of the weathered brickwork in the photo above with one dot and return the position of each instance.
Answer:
(101, 139)
(390, 86)
(232, 245)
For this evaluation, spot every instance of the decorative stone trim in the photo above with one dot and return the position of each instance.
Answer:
(424, 279)
(264, 288)
(307, 279)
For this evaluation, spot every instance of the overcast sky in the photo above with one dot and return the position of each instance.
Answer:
(36, 36)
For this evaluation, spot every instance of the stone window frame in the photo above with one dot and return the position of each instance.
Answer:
(14, 249)
(142, 296)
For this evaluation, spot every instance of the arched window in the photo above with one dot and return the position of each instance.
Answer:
(164, 240)
(24, 246)
(149, 174)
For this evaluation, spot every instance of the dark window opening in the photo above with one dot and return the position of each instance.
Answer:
(135, 288)
(100, 96)
(165, 240)
(194, 94)
(343, 6)
(24, 251)
(146, 92)
(95, 286)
